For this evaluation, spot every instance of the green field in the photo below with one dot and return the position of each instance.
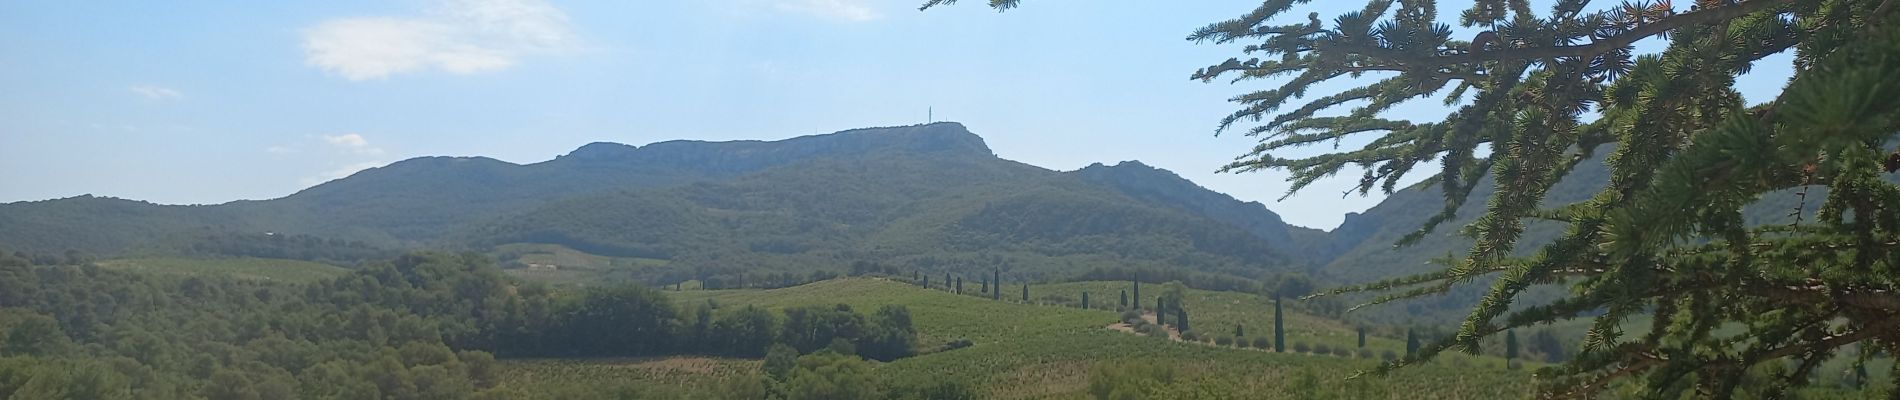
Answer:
(570, 267)
(292, 271)
(1033, 351)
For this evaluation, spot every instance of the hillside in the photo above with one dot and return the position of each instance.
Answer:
(1033, 351)
(936, 213)
(1369, 255)
(931, 197)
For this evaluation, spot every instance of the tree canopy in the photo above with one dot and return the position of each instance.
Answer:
(1536, 94)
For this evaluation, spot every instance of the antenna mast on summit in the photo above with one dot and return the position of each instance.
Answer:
(930, 114)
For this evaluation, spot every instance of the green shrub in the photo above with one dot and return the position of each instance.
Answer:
(1300, 347)
(1223, 341)
(1241, 342)
(956, 344)
(1322, 349)
(1389, 355)
(1262, 342)
(1365, 353)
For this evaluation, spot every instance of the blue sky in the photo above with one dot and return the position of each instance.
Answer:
(196, 102)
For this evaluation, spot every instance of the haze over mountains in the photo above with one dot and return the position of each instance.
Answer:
(932, 198)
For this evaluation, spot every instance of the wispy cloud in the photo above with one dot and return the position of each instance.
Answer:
(454, 36)
(352, 143)
(843, 10)
(155, 92)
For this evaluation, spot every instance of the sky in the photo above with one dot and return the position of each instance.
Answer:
(204, 102)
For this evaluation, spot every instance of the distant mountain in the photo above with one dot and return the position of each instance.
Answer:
(1368, 237)
(1159, 186)
(927, 196)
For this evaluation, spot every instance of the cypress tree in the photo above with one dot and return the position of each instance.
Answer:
(1362, 337)
(986, 285)
(1666, 234)
(1085, 300)
(946, 280)
(1025, 292)
(1137, 289)
(1411, 342)
(996, 278)
(1161, 312)
(1124, 299)
(1510, 348)
(1180, 318)
(959, 285)
(926, 281)
(1239, 331)
(1279, 327)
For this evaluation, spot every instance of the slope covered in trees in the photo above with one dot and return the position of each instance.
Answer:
(420, 326)
(928, 197)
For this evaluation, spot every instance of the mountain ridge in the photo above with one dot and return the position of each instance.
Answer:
(957, 196)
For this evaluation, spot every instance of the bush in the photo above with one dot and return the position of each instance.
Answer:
(956, 344)
(1342, 352)
(1300, 347)
(1223, 341)
(1132, 317)
(1322, 349)
(1262, 342)
(1365, 353)
(1240, 342)
(1389, 355)
(1191, 336)
(832, 375)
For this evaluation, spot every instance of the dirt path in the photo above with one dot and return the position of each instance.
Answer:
(1145, 316)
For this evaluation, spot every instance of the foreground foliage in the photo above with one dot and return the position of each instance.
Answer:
(1667, 235)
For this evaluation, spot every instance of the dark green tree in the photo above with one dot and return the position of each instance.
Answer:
(1025, 292)
(1545, 343)
(1411, 342)
(946, 280)
(888, 334)
(959, 285)
(746, 332)
(1124, 303)
(1161, 311)
(1240, 331)
(779, 361)
(1510, 348)
(1085, 300)
(1137, 289)
(1180, 318)
(1279, 327)
(986, 285)
(1362, 337)
(996, 277)
(1537, 94)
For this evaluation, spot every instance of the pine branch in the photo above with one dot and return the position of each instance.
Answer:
(1606, 45)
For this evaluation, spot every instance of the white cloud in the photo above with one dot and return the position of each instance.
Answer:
(156, 92)
(280, 150)
(352, 143)
(454, 36)
(845, 10)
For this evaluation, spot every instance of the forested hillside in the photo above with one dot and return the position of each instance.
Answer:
(927, 197)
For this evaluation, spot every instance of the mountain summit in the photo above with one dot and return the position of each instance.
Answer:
(930, 196)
